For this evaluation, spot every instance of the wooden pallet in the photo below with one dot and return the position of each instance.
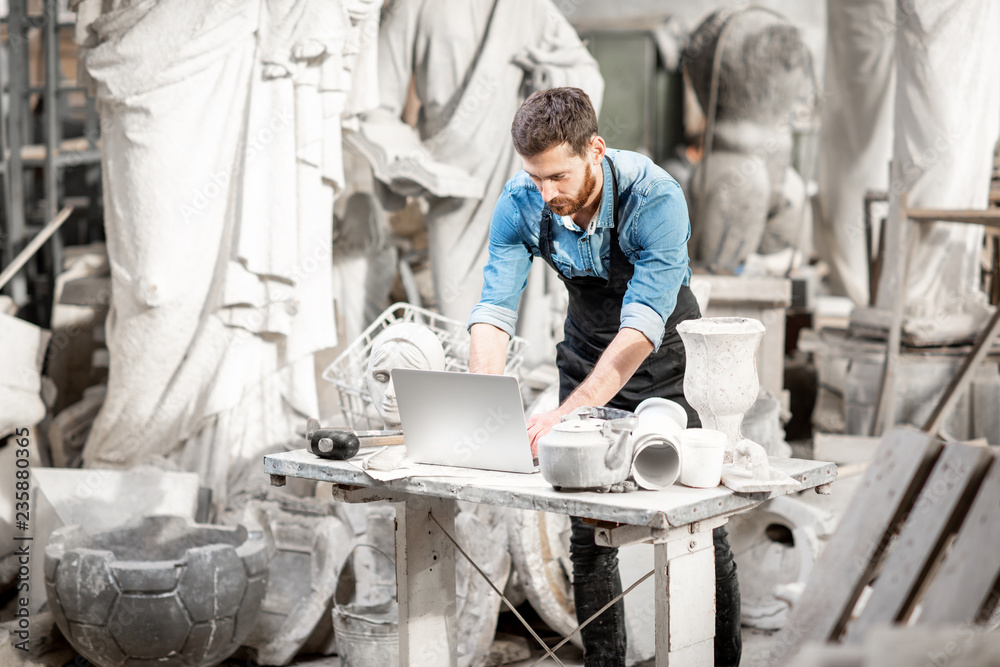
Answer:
(920, 540)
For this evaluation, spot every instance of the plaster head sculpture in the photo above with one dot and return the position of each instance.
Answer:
(405, 345)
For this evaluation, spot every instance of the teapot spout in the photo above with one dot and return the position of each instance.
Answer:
(620, 452)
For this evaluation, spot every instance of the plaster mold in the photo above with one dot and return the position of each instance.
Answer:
(656, 452)
(308, 545)
(585, 454)
(163, 590)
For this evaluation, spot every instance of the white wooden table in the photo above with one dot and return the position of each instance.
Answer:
(677, 520)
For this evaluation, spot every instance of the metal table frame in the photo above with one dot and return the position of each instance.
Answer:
(678, 521)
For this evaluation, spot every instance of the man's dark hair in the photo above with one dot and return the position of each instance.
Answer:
(550, 117)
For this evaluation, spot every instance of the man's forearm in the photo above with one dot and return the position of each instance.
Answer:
(488, 349)
(617, 364)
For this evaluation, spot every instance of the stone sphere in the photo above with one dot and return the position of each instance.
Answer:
(164, 590)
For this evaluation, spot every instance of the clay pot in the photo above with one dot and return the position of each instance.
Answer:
(703, 453)
(165, 590)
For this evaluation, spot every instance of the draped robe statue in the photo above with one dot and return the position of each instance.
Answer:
(916, 83)
(221, 129)
(470, 63)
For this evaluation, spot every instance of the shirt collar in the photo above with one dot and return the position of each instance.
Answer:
(605, 213)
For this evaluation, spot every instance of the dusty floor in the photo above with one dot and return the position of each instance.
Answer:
(755, 647)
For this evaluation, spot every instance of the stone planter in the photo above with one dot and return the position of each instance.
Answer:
(720, 381)
(164, 591)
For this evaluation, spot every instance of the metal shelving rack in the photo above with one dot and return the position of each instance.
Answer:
(26, 209)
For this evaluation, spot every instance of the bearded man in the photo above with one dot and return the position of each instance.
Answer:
(615, 228)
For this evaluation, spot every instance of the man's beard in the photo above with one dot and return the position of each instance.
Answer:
(566, 206)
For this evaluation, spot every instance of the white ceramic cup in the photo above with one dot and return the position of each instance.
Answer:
(703, 450)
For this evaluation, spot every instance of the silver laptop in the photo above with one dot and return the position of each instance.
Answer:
(463, 419)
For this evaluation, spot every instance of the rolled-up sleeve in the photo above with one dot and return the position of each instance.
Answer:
(644, 319)
(661, 230)
(506, 272)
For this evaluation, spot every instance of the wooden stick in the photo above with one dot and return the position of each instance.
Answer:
(885, 404)
(987, 217)
(379, 440)
(32, 247)
(963, 377)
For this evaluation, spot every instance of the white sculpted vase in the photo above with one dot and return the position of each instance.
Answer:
(720, 380)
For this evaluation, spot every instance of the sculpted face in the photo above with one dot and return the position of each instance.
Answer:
(389, 355)
(406, 345)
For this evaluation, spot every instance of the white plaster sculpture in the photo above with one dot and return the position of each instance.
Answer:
(916, 83)
(720, 379)
(221, 131)
(855, 134)
(363, 253)
(752, 73)
(406, 345)
(469, 63)
(947, 119)
(720, 382)
(24, 346)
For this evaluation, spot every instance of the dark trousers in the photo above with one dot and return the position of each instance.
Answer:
(596, 582)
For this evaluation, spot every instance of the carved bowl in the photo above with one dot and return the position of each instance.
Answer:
(163, 591)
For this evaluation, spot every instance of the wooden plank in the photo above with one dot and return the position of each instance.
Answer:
(896, 474)
(613, 535)
(985, 399)
(844, 448)
(759, 290)
(963, 376)
(986, 217)
(936, 515)
(948, 646)
(965, 583)
(425, 583)
(885, 405)
(817, 654)
(685, 601)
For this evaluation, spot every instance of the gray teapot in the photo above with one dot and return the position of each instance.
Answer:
(591, 449)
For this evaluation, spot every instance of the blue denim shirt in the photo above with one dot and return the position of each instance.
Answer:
(654, 232)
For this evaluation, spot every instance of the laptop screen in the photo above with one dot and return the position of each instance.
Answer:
(463, 419)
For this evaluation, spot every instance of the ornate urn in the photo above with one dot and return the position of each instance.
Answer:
(721, 377)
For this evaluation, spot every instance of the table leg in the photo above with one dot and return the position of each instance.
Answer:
(425, 583)
(685, 600)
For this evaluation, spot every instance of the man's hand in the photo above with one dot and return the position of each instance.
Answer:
(541, 424)
(619, 361)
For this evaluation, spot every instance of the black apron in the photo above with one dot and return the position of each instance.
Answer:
(593, 319)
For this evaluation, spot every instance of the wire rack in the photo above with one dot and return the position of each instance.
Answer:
(347, 371)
